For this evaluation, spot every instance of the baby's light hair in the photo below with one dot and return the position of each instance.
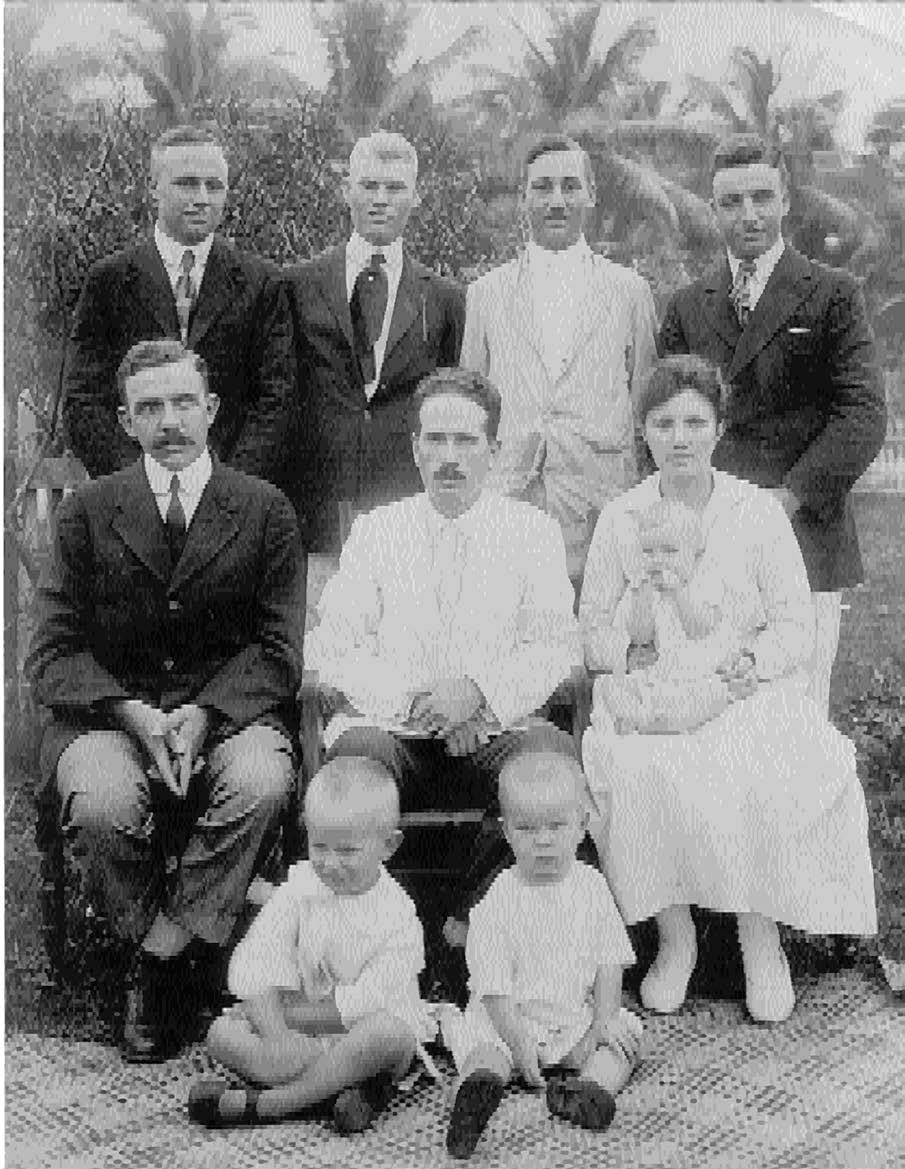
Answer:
(386, 146)
(532, 772)
(673, 515)
(356, 788)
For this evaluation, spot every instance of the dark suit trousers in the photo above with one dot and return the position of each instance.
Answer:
(430, 778)
(124, 826)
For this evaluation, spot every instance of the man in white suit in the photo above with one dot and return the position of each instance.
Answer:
(449, 622)
(568, 337)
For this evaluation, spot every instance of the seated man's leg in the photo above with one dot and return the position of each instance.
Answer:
(248, 779)
(105, 805)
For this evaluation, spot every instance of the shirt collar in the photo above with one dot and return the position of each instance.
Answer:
(567, 260)
(763, 264)
(192, 479)
(465, 522)
(171, 251)
(359, 252)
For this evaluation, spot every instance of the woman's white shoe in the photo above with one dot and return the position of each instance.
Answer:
(769, 994)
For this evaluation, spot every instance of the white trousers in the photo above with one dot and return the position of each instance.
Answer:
(827, 616)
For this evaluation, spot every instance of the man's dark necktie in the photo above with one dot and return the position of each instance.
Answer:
(176, 525)
(741, 291)
(368, 308)
(185, 293)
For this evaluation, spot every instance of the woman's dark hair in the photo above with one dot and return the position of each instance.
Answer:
(682, 371)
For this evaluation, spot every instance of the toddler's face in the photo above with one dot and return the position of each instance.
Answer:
(544, 827)
(347, 856)
(670, 552)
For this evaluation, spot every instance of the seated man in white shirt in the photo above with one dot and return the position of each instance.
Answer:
(449, 622)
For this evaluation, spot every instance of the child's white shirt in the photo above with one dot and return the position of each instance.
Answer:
(366, 949)
(542, 945)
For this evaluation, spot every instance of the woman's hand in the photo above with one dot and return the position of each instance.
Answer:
(640, 624)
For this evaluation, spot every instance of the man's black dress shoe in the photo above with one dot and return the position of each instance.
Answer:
(151, 1032)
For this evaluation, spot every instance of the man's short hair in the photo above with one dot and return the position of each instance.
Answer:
(746, 150)
(558, 144)
(388, 147)
(355, 785)
(153, 355)
(181, 136)
(464, 383)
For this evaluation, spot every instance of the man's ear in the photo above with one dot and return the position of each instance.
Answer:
(125, 420)
(213, 405)
(392, 840)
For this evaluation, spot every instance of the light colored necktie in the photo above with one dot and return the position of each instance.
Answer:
(185, 292)
(741, 291)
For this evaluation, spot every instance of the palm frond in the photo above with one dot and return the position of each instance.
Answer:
(636, 189)
(704, 94)
(423, 73)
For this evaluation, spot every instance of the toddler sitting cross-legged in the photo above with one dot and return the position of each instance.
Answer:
(328, 973)
(700, 666)
(545, 949)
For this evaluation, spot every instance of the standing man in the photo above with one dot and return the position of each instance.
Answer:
(189, 283)
(806, 413)
(567, 336)
(370, 323)
(168, 652)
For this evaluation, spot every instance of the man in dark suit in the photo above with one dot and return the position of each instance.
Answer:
(806, 412)
(370, 322)
(187, 281)
(168, 654)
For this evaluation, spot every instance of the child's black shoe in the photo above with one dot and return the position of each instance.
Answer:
(477, 1099)
(582, 1102)
(355, 1108)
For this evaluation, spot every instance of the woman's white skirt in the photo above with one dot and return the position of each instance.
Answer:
(760, 810)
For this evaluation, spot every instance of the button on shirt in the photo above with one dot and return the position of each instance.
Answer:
(192, 481)
(763, 268)
(358, 257)
(171, 253)
(559, 281)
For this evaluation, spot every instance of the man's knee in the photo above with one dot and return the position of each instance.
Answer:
(257, 768)
(101, 784)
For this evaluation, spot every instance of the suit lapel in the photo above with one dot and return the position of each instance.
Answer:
(520, 311)
(137, 521)
(409, 306)
(594, 306)
(214, 523)
(789, 284)
(333, 287)
(153, 287)
(217, 291)
(718, 308)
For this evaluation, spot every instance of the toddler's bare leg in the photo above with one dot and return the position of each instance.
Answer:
(233, 1042)
(376, 1043)
(769, 993)
(666, 983)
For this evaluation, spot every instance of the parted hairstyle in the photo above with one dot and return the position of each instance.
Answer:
(747, 149)
(181, 136)
(676, 373)
(557, 144)
(387, 146)
(464, 383)
(154, 354)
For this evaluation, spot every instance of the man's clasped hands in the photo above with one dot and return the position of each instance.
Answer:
(452, 709)
(172, 741)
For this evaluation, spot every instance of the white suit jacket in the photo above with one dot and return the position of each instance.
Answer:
(381, 635)
(566, 433)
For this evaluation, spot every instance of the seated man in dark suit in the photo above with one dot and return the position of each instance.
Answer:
(370, 323)
(189, 282)
(168, 655)
(806, 413)
(449, 623)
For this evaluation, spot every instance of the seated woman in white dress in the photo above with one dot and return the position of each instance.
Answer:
(758, 812)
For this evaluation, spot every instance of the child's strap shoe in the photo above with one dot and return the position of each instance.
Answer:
(582, 1102)
(217, 1104)
(355, 1108)
(477, 1099)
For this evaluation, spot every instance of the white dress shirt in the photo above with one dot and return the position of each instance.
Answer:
(358, 257)
(558, 282)
(171, 253)
(192, 481)
(763, 267)
(394, 619)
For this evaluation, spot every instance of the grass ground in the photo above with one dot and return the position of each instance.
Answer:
(873, 631)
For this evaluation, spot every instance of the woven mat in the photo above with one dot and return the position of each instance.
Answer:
(825, 1090)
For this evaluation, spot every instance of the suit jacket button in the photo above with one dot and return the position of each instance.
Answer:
(168, 664)
(367, 415)
(175, 606)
